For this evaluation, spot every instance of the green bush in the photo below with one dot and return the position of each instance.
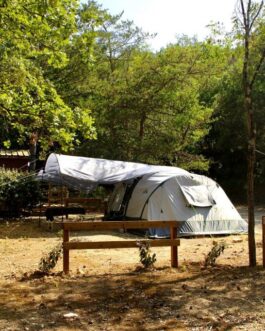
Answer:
(49, 261)
(18, 191)
(146, 258)
(217, 249)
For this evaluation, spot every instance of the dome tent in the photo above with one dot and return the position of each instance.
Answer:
(150, 192)
(197, 202)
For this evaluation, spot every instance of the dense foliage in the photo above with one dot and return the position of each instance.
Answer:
(17, 192)
(34, 35)
(87, 81)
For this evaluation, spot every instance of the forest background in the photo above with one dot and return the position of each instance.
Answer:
(85, 82)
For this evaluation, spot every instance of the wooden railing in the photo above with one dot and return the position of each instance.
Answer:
(75, 206)
(173, 242)
(89, 204)
(92, 204)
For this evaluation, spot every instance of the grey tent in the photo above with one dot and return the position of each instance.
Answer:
(150, 192)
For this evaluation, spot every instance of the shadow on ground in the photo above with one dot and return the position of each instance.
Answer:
(219, 298)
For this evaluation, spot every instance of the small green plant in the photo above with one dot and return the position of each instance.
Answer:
(146, 258)
(50, 260)
(217, 249)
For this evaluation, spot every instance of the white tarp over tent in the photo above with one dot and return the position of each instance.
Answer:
(87, 173)
(151, 192)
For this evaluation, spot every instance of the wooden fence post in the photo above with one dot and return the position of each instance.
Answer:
(263, 240)
(174, 249)
(65, 252)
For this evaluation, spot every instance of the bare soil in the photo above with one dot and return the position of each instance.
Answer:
(108, 290)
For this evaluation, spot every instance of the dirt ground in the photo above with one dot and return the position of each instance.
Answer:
(107, 289)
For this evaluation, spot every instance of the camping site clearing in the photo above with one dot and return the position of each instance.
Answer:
(108, 289)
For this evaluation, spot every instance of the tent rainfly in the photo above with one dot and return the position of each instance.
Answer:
(151, 192)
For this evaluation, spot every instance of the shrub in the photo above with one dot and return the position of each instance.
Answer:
(146, 258)
(18, 192)
(49, 261)
(214, 253)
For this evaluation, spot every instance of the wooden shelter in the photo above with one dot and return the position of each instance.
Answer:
(14, 159)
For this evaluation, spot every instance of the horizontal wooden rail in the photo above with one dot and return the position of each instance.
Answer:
(83, 200)
(173, 242)
(114, 225)
(119, 244)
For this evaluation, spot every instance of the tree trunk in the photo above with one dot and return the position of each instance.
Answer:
(251, 204)
(247, 83)
(33, 151)
(250, 171)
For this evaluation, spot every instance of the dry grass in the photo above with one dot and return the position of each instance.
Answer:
(108, 292)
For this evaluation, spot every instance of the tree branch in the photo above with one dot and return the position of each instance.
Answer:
(7, 110)
(257, 69)
(257, 14)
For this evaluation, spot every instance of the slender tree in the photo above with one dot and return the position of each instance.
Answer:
(248, 18)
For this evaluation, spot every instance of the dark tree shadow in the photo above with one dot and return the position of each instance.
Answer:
(164, 299)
